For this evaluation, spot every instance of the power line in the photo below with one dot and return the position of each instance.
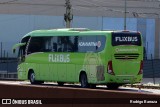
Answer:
(141, 0)
(105, 8)
(9, 2)
(13, 2)
(87, 5)
(84, 5)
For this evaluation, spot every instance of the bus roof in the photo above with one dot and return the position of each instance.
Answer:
(67, 31)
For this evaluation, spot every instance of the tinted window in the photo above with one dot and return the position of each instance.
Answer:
(79, 43)
(67, 44)
(22, 49)
(91, 43)
(39, 44)
(126, 38)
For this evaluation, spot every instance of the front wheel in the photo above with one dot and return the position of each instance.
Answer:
(32, 78)
(83, 80)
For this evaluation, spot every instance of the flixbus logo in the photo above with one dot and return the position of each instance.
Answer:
(126, 39)
(59, 57)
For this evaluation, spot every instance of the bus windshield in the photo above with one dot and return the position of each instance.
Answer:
(126, 38)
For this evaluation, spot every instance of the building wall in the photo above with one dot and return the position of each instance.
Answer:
(157, 38)
(150, 38)
(145, 26)
(94, 23)
(14, 27)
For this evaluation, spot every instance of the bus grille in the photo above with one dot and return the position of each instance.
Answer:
(126, 56)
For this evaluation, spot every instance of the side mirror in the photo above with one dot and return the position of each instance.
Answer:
(16, 46)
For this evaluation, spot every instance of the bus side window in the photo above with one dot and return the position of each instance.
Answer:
(36, 45)
(66, 44)
(69, 43)
(54, 47)
(59, 48)
(59, 44)
(75, 46)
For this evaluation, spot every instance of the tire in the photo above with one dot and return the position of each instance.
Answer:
(39, 82)
(84, 81)
(92, 85)
(112, 86)
(32, 78)
(60, 83)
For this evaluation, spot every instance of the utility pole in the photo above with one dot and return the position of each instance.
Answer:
(136, 16)
(1, 49)
(125, 15)
(68, 16)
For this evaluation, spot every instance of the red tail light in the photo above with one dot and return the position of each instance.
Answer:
(110, 68)
(141, 68)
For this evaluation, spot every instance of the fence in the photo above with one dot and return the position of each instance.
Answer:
(151, 69)
(8, 68)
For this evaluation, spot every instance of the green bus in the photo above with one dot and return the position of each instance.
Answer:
(80, 55)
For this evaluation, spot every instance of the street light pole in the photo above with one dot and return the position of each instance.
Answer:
(1, 50)
(125, 15)
(136, 16)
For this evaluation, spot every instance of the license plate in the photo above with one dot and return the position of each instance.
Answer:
(126, 80)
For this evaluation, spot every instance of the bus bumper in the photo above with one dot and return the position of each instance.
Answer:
(22, 75)
(124, 79)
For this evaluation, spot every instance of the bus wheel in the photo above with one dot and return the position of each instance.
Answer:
(83, 80)
(39, 82)
(112, 86)
(32, 78)
(60, 83)
(92, 85)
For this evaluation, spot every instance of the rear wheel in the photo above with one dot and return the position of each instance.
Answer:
(60, 83)
(113, 86)
(39, 82)
(84, 81)
(92, 85)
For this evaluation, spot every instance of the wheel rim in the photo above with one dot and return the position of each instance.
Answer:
(83, 81)
(32, 78)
